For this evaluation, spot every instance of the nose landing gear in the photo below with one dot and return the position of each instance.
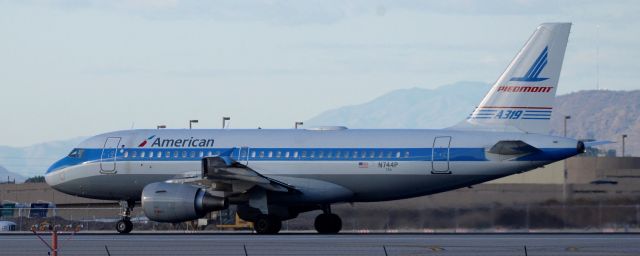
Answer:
(124, 226)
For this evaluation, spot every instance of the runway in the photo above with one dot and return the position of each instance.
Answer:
(343, 244)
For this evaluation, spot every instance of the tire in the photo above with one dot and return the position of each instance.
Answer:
(328, 223)
(124, 226)
(267, 224)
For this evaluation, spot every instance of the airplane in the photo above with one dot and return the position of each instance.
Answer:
(273, 175)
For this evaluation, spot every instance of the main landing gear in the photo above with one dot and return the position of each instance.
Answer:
(267, 224)
(124, 226)
(327, 222)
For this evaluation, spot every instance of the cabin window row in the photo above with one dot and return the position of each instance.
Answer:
(267, 154)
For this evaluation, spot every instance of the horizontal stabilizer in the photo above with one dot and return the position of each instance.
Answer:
(595, 143)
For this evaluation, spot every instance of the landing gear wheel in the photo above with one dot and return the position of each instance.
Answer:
(267, 224)
(328, 223)
(124, 226)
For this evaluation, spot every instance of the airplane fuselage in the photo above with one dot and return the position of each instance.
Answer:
(362, 165)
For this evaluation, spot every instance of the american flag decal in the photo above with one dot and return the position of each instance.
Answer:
(363, 165)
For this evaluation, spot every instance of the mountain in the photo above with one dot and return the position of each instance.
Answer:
(595, 114)
(409, 108)
(602, 115)
(35, 159)
(6, 175)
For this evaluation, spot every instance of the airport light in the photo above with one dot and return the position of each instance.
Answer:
(224, 121)
(162, 126)
(565, 172)
(298, 124)
(565, 124)
(191, 122)
(624, 136)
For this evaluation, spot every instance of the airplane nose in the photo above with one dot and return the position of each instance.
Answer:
(53, 175)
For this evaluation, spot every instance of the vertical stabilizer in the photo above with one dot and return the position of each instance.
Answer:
(522, 98)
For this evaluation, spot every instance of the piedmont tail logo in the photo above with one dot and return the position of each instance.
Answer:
(535, 69)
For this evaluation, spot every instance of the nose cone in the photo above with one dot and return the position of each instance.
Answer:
(53, 176)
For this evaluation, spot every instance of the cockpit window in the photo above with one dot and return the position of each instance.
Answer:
(76, 153)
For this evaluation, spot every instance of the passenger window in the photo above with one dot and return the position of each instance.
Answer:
(261, 154)
(217, 153)
(312, 154)
(320, 154)
(329, 154)
(253, 154)
(389, 154)
(150, 154)
(279, 154)
(201, 155)
(381, 154)
(184, 154)
(209, 153)
(175, 154)
(126, 154)
(372, 154)
(355, 154)
(398, 154)
(406, 154)
(134, 154)
(338, 154)
(193, 154)
(159, 154)
(295, 154)
(303, 154)
(270, 154)
(286, 154)
(346, 154)
(142, 154)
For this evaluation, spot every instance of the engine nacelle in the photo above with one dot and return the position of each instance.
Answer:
(174, 202)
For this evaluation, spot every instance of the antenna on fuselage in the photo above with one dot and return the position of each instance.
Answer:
(224, 121)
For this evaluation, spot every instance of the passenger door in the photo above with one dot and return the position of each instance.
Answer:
(108, 155)
(244, 155)
(440, 155)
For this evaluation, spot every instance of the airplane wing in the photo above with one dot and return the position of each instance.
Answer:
(224, 169)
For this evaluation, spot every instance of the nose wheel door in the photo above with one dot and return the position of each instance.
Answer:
(108, 155)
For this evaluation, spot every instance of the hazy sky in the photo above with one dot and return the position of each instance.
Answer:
(78, 68)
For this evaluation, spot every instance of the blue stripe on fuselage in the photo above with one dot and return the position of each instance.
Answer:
(328, 154)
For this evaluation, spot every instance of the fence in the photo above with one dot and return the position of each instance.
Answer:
(520, 218)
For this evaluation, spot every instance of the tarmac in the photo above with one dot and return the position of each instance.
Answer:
(315, 244)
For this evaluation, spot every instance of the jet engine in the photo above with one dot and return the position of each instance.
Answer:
(174, 202)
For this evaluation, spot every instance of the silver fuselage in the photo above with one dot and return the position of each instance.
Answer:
(367, 165)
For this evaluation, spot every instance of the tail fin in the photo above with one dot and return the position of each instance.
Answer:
(523, 96)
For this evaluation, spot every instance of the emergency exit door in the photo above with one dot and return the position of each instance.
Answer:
(440, 155)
